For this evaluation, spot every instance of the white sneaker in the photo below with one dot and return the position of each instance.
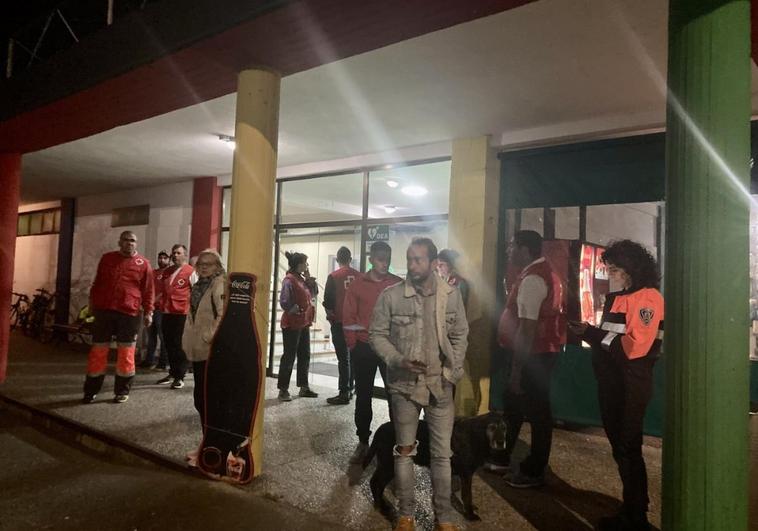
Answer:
(359, 454)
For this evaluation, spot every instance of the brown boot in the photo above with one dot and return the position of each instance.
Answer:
(405, 523)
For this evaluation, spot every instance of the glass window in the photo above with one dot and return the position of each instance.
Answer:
(533, 219)
(23, 224)
(226, 207)
(634, 221)
(57, 221)
(225, 247)
(322, 199)
(420, 190)
(48, 222)
(35, 226)
(567, 223)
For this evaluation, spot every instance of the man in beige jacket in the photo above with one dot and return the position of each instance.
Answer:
(419, 329)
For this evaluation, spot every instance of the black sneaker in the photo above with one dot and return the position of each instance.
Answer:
(88, 399)
(164, 380)
(284, 396)
(147, 365)
(178, 383)
(305, 392)
(339, 400)
(120, 399)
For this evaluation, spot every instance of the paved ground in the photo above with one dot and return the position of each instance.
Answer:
(307, 444)
(47, 484)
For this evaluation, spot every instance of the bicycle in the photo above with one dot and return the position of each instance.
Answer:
(40, 314)
(19, 310)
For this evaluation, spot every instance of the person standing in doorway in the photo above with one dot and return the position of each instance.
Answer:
(360, 300)
(532, 332)
(334, 297)
(296, 299)
(625, 347)
(176, 304)
(122, 288)
(155, 333)
(419, 329)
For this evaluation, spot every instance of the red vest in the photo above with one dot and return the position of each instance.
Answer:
(158, 282)
(551, 326)
(176, 290)
(342, 279)
(302, 297)
(123, 284)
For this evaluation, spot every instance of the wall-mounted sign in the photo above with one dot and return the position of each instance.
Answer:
(378, 233)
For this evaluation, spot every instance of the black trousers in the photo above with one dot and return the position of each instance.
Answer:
(198, 373)
(297, 344)
(346, 377)
(154, 334)
(534, 407)
(173, 328)
(365, 363)
(625, 388)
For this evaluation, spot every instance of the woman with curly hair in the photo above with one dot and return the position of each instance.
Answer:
(625, 347)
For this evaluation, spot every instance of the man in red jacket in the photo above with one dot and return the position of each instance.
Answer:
(532, 331)
(334, 297)
(122, 288)
(360, 299)
(176, 302)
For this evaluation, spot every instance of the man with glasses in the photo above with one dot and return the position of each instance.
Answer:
(123, 287)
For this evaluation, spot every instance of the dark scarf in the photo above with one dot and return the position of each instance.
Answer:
(199, 289)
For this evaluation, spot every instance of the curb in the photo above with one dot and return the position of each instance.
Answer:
(89, 439)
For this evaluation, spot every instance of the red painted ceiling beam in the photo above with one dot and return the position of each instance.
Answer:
(293, 38)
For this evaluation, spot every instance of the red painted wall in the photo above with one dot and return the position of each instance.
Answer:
(10, 180)
(206, 215)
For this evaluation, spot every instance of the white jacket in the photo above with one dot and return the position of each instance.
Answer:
(198, 331)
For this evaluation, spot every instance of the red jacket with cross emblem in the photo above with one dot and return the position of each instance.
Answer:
(123, 284)
(334, 291)
(176, 289)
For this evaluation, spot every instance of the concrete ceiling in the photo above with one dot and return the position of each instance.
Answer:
(553, 69)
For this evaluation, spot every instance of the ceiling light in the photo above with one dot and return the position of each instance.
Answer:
(414, 191)
(390, 209)
(228, 140)
(392, 184)
(388, 166)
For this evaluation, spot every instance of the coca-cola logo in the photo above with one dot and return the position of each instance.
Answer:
(241, 284)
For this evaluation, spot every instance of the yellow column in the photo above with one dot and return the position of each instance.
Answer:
(472, 228)
(252, 209)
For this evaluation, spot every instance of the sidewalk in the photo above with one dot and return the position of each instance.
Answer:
(307, 445)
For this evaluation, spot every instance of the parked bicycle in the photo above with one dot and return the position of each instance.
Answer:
(40, 315)
(19, 310)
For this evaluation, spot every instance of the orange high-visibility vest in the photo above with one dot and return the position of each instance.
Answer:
(633, 321)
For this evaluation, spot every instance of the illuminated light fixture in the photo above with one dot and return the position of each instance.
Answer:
(414, 191)
(392, 184)
(388, 166)
(390, 209)
(228, 140)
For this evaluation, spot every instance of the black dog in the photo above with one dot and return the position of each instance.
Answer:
(472, 440)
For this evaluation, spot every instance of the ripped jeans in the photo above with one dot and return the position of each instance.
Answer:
(440, 415)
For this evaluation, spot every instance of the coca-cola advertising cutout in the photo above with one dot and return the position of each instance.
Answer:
(232, 391)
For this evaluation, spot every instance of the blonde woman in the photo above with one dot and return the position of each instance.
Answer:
(206, 309)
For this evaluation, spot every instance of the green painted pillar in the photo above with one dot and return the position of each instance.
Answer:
(705, 451)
